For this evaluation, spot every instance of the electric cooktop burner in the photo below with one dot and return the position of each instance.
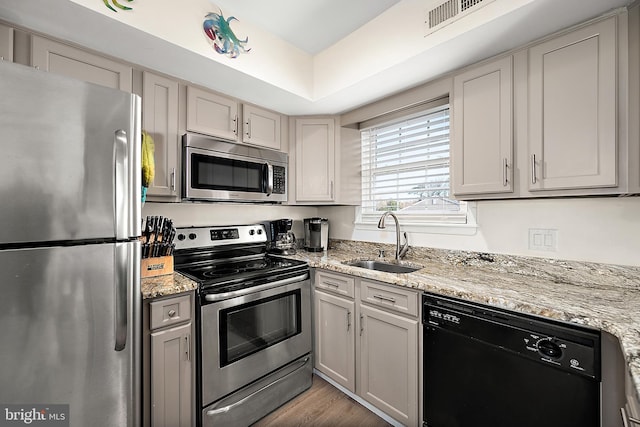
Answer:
(218, 273)
(219, 257)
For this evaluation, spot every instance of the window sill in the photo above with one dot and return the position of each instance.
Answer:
(469, 228)
(450, 229)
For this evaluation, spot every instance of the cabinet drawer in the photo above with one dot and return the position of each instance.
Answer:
(170, 312)
(397, 299)
(336, 283)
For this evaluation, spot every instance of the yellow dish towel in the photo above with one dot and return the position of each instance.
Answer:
(148, 162)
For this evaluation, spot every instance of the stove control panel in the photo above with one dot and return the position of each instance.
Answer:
(202, 237)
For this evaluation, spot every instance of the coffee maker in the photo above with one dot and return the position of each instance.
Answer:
(280, 238)
(316, 234)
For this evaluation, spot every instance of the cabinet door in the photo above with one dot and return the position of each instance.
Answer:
(6, 43)
(389, 363)
(315, 160)
(482, 146)
(212, 114)
(171, 401)
(260, 127)
(335, 338)
(72, 62)
(160, 120)
(572, 110)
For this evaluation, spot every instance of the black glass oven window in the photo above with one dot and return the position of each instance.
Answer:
(251, 327)
(219, 173)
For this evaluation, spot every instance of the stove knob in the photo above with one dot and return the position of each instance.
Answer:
(259, 231)
(181, 237)
(252, 232)
(192, 236)
(550, 349)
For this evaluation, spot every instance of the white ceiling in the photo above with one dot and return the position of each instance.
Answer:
(308, 56)
(311, 25)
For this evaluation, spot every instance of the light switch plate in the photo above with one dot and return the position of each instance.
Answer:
(543, 239)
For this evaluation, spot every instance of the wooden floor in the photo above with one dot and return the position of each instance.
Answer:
(322, 405)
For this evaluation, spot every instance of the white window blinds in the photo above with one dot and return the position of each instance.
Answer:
(405, 169)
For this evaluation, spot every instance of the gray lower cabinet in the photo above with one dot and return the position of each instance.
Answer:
(388, 363)
(168, 362)
(366, 340)
(335, 338)
(631, 410)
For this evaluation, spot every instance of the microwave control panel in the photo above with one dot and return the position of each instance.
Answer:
(279, 180)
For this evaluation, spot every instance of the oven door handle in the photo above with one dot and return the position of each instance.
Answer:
(212, 412)
(252, 289)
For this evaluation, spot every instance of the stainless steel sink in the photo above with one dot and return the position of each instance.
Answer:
(382, 266)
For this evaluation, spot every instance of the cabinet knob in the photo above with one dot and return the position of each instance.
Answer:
(171, 313)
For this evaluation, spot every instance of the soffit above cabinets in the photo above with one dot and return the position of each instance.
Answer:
(357, 62)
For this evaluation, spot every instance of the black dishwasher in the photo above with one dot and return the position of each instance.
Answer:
(488, 367)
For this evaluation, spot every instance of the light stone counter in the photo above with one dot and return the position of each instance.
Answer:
(166, 285)
(601, 296)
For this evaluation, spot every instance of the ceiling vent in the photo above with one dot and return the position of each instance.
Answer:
(450, 11)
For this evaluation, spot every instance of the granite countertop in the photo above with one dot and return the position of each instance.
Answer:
(601, 296)
(166, 285)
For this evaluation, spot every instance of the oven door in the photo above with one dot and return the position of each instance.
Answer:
(249, 336)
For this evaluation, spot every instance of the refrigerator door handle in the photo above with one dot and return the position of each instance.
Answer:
(126, 267)
(120, 183)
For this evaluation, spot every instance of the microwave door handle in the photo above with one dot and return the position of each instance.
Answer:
(269, 179)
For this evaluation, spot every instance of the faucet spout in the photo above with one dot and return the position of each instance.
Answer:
(400, 250)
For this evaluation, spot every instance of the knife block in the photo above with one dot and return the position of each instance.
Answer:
(159, 266)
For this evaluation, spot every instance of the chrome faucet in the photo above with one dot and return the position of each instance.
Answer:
(400, 251)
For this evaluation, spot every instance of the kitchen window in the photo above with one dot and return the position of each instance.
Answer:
(406, 169)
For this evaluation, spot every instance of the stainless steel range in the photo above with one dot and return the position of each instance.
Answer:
(253, 320)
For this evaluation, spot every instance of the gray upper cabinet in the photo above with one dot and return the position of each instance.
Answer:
(260, 127)
(211, 114)
(72, 62)
(160, 121)
(315, 145)
(6, 43)
(572, 110)
(482, 145)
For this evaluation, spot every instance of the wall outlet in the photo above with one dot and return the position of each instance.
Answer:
(543, 239)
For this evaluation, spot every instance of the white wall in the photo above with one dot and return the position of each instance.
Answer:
(603, 230)
(205, 214)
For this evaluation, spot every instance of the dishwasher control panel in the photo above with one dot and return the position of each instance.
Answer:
(560, 352)
(571, 348)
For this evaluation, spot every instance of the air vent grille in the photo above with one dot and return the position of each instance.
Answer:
(449, 11)
(443, 12)
(466, 4)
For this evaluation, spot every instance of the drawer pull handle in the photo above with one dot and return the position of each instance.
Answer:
(384, 298)
(335, 285)
(628, 420)
(505, 173)
(348, 320)
(171, 313)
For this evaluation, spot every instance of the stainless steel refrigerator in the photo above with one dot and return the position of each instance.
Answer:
(69, 255)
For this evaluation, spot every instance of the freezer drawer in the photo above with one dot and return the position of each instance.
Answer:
(69, 319)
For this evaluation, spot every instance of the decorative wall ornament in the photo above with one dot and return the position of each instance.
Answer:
(116, 4)
(221, 37)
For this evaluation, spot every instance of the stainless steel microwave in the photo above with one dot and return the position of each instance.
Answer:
(221, 171)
